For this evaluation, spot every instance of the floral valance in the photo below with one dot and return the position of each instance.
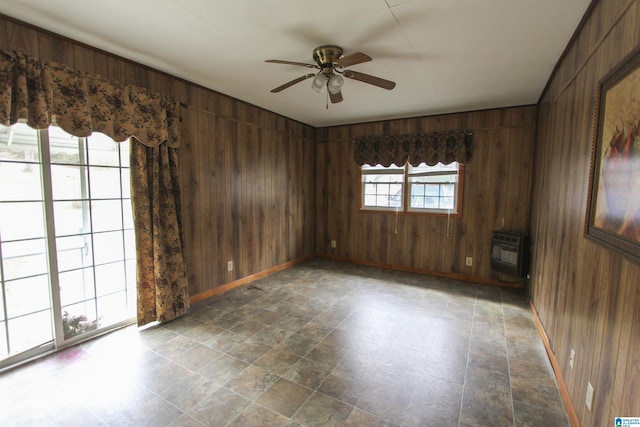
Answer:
(430, 148)
(80, 103)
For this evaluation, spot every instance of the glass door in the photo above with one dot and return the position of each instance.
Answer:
(24, 270)
(68, 267)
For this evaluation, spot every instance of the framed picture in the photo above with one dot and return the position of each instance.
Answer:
(613, 211)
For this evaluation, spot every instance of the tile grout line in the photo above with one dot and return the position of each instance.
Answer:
(466, 368)
(506, 348)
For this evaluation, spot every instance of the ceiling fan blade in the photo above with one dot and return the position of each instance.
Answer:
(292, 82)
(372, 80)
(352, 59)
(335, 97)
(301, 64)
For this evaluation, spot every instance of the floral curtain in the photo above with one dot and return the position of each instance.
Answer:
(160, 266)
(429, 148)
(45, 93)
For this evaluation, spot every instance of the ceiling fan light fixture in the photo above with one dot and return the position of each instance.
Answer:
(319, 81)
(335, 83)
(331, 62)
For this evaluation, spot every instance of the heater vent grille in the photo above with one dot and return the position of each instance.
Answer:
(510, 253)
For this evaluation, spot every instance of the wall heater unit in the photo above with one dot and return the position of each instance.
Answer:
(510, 253)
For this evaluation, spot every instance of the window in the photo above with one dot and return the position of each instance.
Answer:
(382, 187)
(67, 250)
(419, 189)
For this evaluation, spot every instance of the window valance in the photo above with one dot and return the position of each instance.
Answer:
(80, 103)
(430, 148)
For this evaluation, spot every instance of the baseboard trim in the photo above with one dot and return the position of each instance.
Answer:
(248, 279)
(562, 386)
(457, 276)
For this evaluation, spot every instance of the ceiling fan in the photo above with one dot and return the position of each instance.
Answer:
(332, 63)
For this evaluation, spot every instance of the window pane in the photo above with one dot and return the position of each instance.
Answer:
(431, 203)
(65, 148)
(431, 190)
(105, 182)
(383, 178)
(106, 215)
(103, 150)
(433, 187)
(369, 200)
(382, 200)
(26, 296)
(30, 331)
(370, 188)
(110, 278)
(76, 286)
(70, 217)
(382, 186)
(127, 213)
(20, 181)
(417, 190)
(124, 153)
(21, 220)
(130, 266)
(126, 183)
(113, 308)
(24, 258)
(384, 195)
(448, 190)
(69, 182)
(108, 247)
(74, 252)
(424, 168)
(19, 143)
(417, 202)
(130, 244)
(79, 318)
(131, 302)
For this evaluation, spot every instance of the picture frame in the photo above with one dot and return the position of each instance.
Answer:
(613, 208)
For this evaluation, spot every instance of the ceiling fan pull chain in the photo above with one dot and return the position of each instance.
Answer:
(327, 97)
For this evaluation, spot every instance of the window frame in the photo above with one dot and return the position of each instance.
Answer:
(404, 208)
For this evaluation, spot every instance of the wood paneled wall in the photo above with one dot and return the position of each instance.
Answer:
(497, 186)
(587, 297)
(258, 190)
(247, 175)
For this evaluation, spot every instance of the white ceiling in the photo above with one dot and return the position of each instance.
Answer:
(444, 55)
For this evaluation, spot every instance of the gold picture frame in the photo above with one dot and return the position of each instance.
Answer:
(613, 210)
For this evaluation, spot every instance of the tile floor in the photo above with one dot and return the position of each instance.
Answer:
(319, 344)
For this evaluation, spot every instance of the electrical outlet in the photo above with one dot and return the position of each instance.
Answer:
(589, 399)
(572, 357)
(469, 261)
(229, 265)
(333, 244)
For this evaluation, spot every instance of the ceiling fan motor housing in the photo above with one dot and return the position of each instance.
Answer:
(325, 56)
(331, 62)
